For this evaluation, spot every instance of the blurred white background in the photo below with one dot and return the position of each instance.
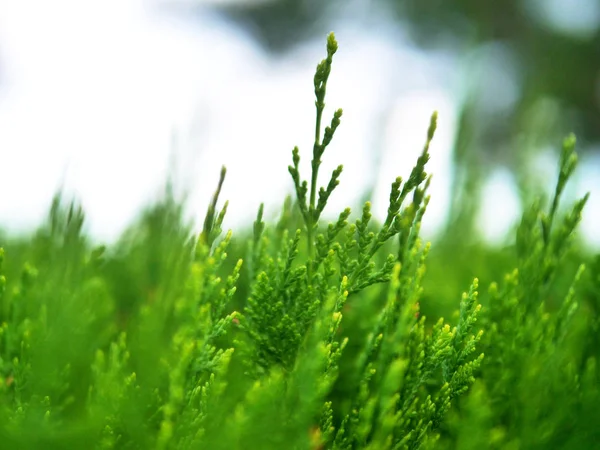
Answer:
(105, 97)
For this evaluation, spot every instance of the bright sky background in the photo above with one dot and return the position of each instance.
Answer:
(99, 95)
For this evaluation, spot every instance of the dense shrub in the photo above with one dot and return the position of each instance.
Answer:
(298, 334)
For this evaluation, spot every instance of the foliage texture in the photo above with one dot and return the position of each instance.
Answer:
(298, 334)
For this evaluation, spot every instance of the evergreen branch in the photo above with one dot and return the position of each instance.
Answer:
(211, 228)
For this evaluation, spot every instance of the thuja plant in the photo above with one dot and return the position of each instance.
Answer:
(540, 382)
(405, 376)
(300, 334)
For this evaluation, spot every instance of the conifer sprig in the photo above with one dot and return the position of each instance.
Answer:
(541, 245)
(311, 209)
(530, 337)
(212, 225)
(568, 163)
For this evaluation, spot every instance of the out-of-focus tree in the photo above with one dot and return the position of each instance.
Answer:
(561, 63)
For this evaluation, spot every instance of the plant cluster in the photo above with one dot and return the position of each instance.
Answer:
(297, 335)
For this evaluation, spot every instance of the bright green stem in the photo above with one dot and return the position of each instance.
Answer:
(316, 162)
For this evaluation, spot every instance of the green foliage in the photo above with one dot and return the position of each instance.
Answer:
(298, 334)
(539, 383)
